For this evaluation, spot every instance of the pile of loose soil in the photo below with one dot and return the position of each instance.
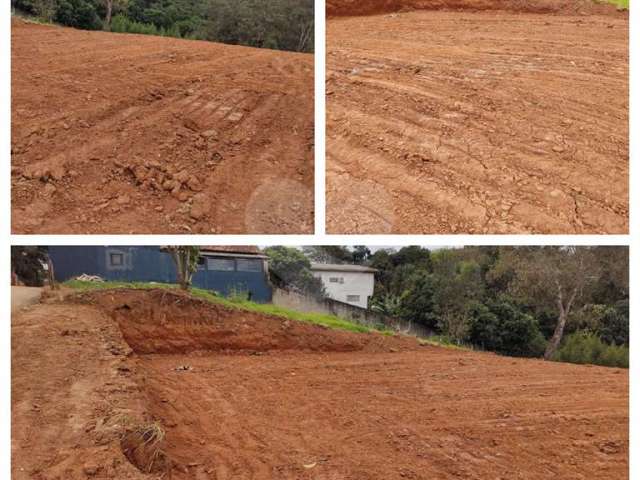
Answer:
(117, 133)
(371, 7)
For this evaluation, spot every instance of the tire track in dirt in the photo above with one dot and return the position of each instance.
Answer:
(241, 396)
(119, 118)
(504, 112)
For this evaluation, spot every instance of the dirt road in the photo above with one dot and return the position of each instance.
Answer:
(115, 133)
(477, 121)
(24, 296)
(258, 408)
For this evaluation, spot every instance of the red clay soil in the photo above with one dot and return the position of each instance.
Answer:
(115, 133)
(252, 411)
(478, 121)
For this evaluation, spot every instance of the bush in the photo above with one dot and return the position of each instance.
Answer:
(78, 14)
(122, 24)
(501, 326)
(588, 348)
(418, 305)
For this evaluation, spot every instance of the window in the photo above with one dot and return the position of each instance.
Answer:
(249, 265)
(353, 298)
(336, 280)
(118, 259)
(221, 264)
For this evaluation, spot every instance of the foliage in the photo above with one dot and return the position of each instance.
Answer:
(78, 14)
(585, 347)
(277, 24)
(28, 264)
(290, 268)
(501, 326)
(418, 304)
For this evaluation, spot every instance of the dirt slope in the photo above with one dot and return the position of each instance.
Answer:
(370, 7)
(117, 133)
(418, 413)
(477, 122)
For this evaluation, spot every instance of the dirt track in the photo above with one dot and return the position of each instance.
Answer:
(117, 133)
(387, 409)
(477, 122)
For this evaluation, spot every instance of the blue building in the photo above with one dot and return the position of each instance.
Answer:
(224, 269)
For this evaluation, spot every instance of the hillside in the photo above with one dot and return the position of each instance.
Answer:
(155, 381)
(119, 133)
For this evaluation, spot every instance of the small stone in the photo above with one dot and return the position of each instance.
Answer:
(49, 189)
(209, 134)
(555, 193)
(558, 149)
(194, 184)
(182, 176)
(123, 200)
(199, 206)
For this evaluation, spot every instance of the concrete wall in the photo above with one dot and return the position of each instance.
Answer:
(351, 283)
(361, 316)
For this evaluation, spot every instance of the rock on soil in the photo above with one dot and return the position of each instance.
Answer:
(159, 120)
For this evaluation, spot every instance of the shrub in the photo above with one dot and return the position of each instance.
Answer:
(588, 348)
(501, 326)
(78, 14)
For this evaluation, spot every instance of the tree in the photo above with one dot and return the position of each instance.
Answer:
(28, 264)
(553, 278)
(185, 259)
(501, 326)
(418, 304)
(360, 254)
(290, 268)
(328, 254)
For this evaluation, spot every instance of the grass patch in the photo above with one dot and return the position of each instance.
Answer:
(621, 4)
(237, 303)
(443, 341)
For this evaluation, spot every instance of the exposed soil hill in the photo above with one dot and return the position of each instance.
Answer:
(163, 321)
(247, 409)
(115, 133)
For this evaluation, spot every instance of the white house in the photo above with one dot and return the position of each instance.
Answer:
(352, 284)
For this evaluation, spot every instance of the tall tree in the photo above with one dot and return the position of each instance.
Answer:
(554, 278)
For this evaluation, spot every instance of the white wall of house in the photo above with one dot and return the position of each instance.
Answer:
(353, 288)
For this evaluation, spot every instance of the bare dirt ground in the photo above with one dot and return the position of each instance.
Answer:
(116, 133)
(244, 396)
(22, 297)
(468, 121)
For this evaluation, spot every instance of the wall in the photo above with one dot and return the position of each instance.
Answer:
(355, 283)
(361, 316)
(149, 264)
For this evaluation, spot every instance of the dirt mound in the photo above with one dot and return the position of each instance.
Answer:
(116, 133)
(371, 7)
(169, 322)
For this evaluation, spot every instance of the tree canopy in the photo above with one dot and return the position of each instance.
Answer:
(276, 24)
